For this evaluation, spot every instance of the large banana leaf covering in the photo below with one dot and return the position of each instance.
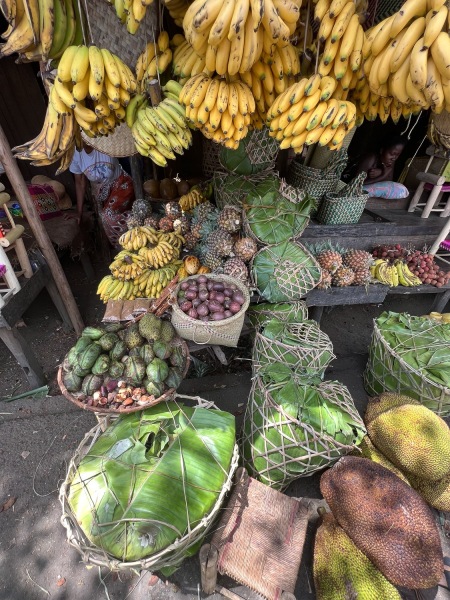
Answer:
(285, 272)
(292, 430)
(291, 312)
(272, 218)
(151, 477)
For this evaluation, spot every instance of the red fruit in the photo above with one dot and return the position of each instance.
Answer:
(439, 285)
(427, 280)
(384, 254)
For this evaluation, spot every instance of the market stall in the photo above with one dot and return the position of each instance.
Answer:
(249, 244)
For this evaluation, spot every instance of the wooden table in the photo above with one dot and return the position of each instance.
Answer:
(12, 312)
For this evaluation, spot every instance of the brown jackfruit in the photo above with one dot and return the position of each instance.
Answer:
(436, 493)
(411, 436)
(388, 521)
(367, 450)
(342, 571)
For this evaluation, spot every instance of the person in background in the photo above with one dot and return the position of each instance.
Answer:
(112, 189)
(379, 167)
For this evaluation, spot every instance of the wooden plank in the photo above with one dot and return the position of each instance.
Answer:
(420, 289)
(373, 294)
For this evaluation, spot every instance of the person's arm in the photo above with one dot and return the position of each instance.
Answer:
(80, 190)
(380, 174)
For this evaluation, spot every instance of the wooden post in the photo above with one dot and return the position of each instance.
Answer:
(136, 175)
(208, 568)
(23, 196)
(154, 91)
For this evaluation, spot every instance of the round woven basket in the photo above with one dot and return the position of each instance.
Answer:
(173, 555)
(439, 129)
(210, 158)
(222, 333)
(168, 394)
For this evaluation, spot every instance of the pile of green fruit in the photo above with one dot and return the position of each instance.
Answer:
(117, 366)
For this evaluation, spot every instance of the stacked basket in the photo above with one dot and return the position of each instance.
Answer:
(346, 205)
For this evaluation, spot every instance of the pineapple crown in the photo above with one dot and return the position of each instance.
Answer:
(325, 245)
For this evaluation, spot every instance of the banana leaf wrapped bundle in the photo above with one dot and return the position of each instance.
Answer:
(234, 189)
(285, 272)
(410, 355)
(303, 347)
(293, 430)
(292, 312)
(256, 152)
(271, 218)
(151, 478)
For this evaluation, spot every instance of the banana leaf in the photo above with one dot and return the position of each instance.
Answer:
(285, 272)
(151, 477)
(293, 430)
(273, 219)
(292, 312)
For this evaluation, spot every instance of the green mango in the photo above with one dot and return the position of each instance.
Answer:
(175, 377)
(116, 369)
(101, 365)
(88, 357)
(162, 349)
(154, 389)
(108, 341)
(118, 351)
(157, 370)
(95, 333)
(72, 382)
(72, 357)
(91, 383)
(82, 344)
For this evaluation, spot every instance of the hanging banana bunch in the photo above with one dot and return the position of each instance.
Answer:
(177, 9)
(232, 34)
(221, 110)
(39, 31)
(155, 59)
(307, 113)
(162, 131)
(131, 12)
(186, 62)
(407, 55)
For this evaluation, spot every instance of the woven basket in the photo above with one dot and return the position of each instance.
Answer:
(222, 333)
(168, 394)
(292, 312)
(386, 371)
(439, 129)
(308, 359)
(234, 194)
(338, 210)
(261, 149)
(323, 154)
(300, 450)
(210, 158)
(172, 556)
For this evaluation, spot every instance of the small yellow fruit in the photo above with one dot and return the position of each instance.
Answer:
(191, 264)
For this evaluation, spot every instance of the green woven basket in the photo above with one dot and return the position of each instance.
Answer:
(338, 210)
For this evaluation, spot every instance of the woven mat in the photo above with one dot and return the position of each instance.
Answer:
(260, 538)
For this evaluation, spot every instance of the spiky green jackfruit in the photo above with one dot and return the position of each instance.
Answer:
(367, 450)
(341, 571)
(411, 436)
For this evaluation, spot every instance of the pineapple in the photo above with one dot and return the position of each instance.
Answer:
(202, 211)
(325, 281)
(190, 240)
(141, 209)
(221, 241)
(166, 224)
(133, 221)
(172, 210)
(235, 267)
(330, 260)
(362, 277)
(343, 277)
(211, 259)
(230, 219)
(151, 222)
(357, 259)
(245, 249)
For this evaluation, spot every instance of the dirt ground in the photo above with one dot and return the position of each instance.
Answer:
(38, 438)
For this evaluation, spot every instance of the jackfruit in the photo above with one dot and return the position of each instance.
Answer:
(367, 450)
(436, 493)
(150, 327)
(167, 331)
(133, 339)
(386, 519)
(341, 571)
(411, 436)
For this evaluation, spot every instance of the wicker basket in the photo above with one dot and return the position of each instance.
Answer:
(168, 394)
(234, 194)
(210, 158)
(308, 358)
(172, 556)
(222, 333)
(336, 209)
(386, 371)
(439, 129)
(261, 149)
(292, 449)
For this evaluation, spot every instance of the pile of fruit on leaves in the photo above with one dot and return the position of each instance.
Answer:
(209, 300)
(342, 268)
(421, 265)
(114, 366)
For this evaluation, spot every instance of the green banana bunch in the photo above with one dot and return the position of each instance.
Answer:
(161, 131)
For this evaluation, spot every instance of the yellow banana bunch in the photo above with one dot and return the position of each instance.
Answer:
(111, 288)
(136, 238)
(174, 238)
(342, 38)
(56, 141)
(40, 30)
(407, 54)
(154, 59)
(385, 272)
(192, 199)
(221, 110)
(161, 131)
(405, 277)
(131, 12)
(177, 9)
(159, 255)
(126, 269)
(186, 62)
(232, 34)
(307, 113)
